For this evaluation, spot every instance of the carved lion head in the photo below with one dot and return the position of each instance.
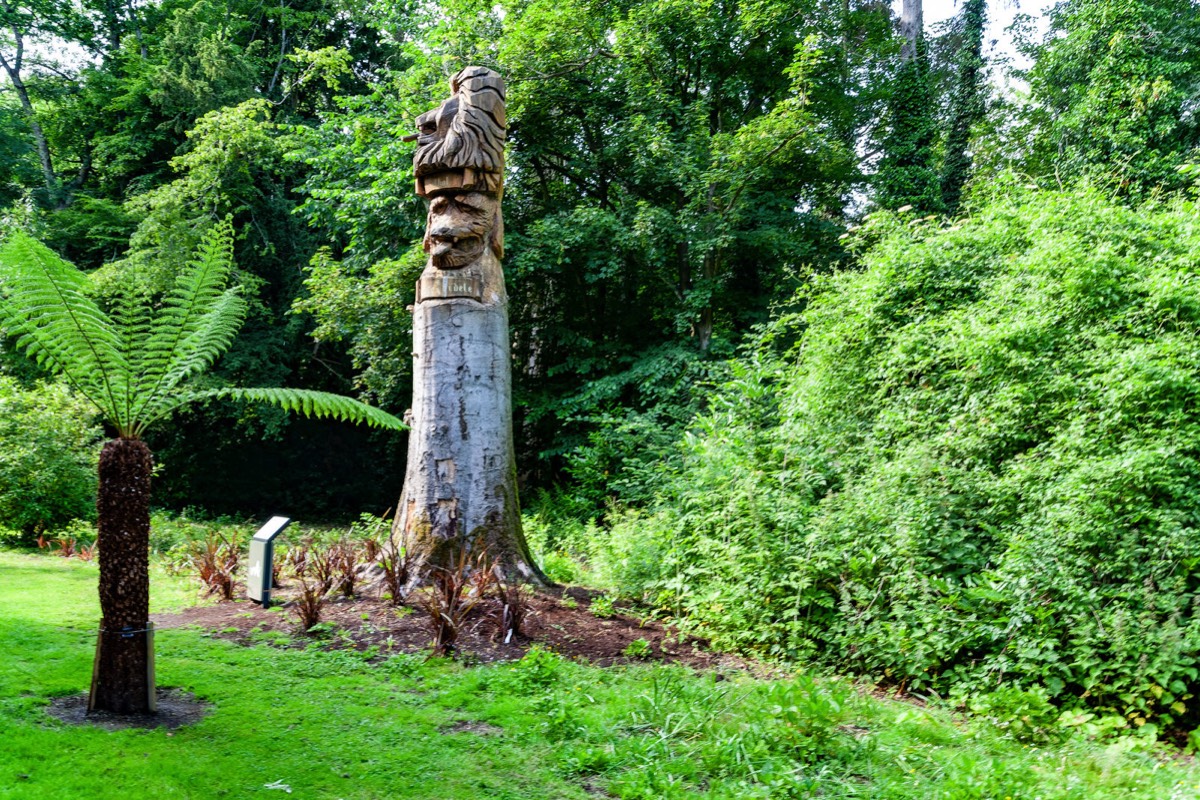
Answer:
(465, 134)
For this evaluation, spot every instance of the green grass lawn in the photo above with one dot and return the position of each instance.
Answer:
(330, 725)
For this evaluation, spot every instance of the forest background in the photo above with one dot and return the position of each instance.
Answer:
(822, 342)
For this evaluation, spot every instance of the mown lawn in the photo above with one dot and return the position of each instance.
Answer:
(328, 724)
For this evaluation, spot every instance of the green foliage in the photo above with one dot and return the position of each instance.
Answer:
(47, 457)
(638, 648)
(368, 315)
(650, 217)
(135, 365)
(627, 555)
(977, 466)
(321, 405)
(967, 105)
(537, 670)
(1113, 87)
(1025, 715)
(634, 417)
(17, 164)
(602, 607)
(808, 711)
(560, 568)
(908, 173)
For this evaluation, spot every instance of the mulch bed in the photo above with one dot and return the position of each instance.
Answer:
(366, 621)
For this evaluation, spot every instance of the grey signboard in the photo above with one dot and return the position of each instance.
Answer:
(262, 555)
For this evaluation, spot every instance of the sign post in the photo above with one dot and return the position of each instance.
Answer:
(262, 555)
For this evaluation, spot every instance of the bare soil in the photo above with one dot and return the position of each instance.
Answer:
(175, 709)
(558, 620)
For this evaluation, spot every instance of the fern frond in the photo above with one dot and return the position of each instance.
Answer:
(44, 301)
(211, 335)
(306, 402)
(198, 322)
(132, 318)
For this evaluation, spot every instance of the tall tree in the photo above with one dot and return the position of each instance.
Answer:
(907, 173)
(22, 24)
(135, 366)
(912, 29)
(966, 103)
(1114, 92)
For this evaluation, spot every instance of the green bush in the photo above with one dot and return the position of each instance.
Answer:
(977, 468)
(627, 555)
(557, 538)
(48, 453)
(1025, 715)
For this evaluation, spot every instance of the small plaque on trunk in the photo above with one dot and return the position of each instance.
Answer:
(445, 285)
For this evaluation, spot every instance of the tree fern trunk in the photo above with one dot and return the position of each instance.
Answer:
(122, 682)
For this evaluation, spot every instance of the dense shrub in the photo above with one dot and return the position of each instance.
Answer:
(978, 469)
(48, 452)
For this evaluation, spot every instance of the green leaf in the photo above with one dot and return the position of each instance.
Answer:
(310, 403)
(45, 301)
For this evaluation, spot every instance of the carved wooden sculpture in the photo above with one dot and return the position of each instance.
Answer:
(460, 486)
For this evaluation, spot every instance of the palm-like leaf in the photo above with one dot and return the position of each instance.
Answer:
(134, 365)
(45, 302)
(304, 401)
(198, 322)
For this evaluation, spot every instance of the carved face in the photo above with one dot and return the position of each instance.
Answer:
(434, 126)
(460, 226)
(466, 131)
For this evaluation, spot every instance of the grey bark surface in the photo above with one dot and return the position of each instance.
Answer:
(912, 26)
(460, 484)
(12, 65)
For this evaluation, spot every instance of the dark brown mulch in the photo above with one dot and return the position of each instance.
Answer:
(175, 709)
(366, 621)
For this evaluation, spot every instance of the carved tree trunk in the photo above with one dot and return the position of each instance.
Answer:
(460, 487)
(123, 682)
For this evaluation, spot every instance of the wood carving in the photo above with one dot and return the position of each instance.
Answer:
(460, 226)
(460, 144)
(460, 481)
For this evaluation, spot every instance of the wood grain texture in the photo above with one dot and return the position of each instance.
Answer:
(460, 144)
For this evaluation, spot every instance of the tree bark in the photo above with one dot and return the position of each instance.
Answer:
(912, 27)
(13, 69)
(460, 485)
(122, 682)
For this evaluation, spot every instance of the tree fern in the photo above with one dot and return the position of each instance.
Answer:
(134, 365)
(306, 402)
(46, 303)
(198, 323)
